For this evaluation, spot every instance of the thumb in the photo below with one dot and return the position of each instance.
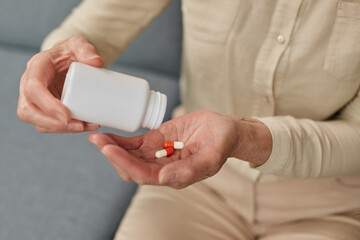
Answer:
(84, 51)
(184, 172)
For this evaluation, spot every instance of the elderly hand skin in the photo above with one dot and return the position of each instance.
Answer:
(210, 138)
(42, 82)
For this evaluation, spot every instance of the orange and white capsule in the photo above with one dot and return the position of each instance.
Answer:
(173, 144)
(164, 153)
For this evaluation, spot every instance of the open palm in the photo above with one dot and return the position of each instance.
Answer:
(208, 137)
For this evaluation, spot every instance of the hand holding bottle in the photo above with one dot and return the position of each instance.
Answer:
(42, 82)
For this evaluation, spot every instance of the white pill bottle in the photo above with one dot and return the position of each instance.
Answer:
(112, 99)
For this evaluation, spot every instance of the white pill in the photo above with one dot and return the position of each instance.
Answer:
(178, 145)
(164, 153)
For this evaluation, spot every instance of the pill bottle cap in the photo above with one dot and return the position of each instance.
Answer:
(155, 111)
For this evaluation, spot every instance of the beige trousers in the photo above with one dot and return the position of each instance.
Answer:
(228, 206)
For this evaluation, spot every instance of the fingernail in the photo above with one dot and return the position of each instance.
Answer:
(62, 119)
(91, 126)
(93, 141)
(92, 56)
(163, 179)
(103, 151)
(74, 126)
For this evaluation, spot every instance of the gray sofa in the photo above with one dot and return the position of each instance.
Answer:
(58, 186)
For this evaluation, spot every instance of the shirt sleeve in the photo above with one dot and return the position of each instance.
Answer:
(110, 25)
(307, 148)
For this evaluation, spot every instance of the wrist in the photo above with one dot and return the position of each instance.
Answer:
(254, 141)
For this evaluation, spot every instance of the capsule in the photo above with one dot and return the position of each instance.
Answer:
(164, 153)
(172, 144)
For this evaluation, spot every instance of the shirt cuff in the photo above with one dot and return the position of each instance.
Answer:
(281, 146)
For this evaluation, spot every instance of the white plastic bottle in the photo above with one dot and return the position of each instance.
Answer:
(112, 99)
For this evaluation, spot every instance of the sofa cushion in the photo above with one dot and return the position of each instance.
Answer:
(27, 23)
(57, 186)
(158, 47)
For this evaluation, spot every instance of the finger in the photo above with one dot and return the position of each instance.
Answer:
(30, 113)
(39, 74)
(91, 127)
(100, 140)
(140, 171)
(84, 51)
(22, 83)
(129, 143)
(128, 167)
(165, 160)
(74, 126)
(122, 173)
(196, 167)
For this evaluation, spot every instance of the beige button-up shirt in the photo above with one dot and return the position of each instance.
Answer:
(293, 64)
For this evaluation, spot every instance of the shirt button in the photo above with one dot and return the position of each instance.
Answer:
(280, 38)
